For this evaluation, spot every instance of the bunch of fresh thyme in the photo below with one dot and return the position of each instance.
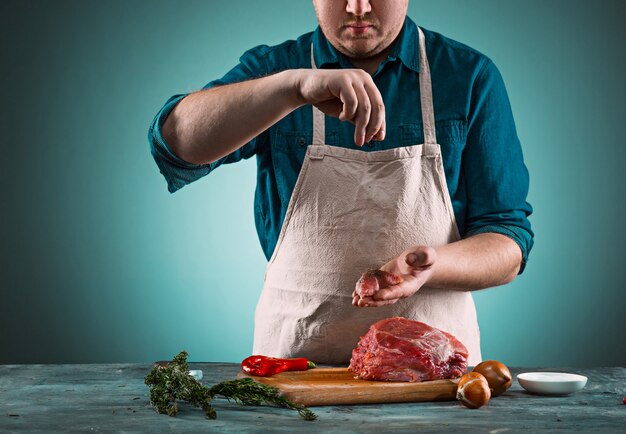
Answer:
(173, 382)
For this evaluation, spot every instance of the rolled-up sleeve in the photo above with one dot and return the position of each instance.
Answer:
(495, 175)
(178, 172)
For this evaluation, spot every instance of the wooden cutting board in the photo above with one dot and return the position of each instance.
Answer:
(333, 386)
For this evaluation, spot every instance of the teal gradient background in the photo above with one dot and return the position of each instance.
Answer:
(99, 263)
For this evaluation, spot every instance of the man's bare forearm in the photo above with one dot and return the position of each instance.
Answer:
(210, 124)
(480, 261)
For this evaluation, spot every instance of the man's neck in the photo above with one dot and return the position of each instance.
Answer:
(371, 64)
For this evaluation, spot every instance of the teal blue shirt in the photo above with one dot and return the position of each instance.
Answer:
(482, 156)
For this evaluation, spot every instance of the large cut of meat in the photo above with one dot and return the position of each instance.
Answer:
(399, 349)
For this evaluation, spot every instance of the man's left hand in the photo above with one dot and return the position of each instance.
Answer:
(415, 266)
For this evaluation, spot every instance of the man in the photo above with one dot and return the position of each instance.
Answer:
(379, 145)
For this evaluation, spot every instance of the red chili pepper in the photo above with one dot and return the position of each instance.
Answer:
(264, 366)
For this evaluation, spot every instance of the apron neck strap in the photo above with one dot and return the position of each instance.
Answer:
(319, 121)
(426, 93)
(426, 100)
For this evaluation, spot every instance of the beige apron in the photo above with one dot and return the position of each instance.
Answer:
(353, 210)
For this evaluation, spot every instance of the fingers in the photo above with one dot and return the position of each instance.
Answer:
(376, 125)
(369, 302)
(395, 292)
(420, 259)
(384, 296)
(363, 112)
(362, 104)
(348, 97)
(369, 119)
(380, 135)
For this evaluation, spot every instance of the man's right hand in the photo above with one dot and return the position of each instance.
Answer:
(210, 124)
(348, 94)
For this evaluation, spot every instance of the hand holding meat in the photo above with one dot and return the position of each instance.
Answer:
(399, 278)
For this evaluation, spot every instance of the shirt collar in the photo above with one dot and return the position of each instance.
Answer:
(405, 48)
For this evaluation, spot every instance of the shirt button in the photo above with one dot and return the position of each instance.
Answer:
(301, 141)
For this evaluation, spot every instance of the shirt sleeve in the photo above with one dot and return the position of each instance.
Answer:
(495, 175)
(178, 172)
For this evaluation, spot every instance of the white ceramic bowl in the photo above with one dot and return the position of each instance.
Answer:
(196, 373)
(551, 383)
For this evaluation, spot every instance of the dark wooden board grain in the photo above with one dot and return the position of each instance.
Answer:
(337, 386)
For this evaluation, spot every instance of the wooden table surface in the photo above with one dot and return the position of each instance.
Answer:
(113, 398)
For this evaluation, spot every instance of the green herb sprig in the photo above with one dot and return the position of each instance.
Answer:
(172, 382)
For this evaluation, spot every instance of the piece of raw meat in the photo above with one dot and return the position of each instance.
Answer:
(373, 280)
(399, 349)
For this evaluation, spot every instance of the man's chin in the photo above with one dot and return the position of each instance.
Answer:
(360, 48)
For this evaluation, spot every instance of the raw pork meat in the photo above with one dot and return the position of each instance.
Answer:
(399, 349)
